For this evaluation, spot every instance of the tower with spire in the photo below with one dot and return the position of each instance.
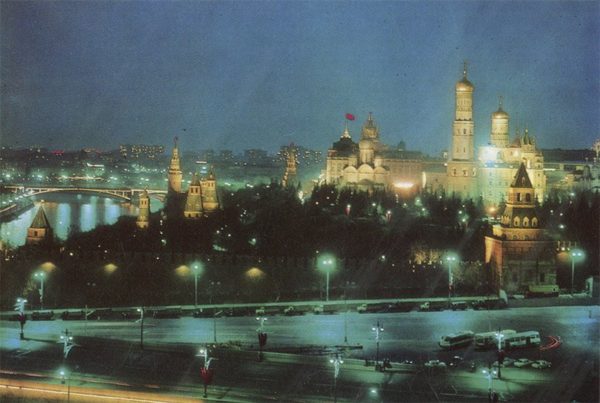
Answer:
(143, 218)
(462, 168)
(519, 251)
(210, 198)
(500, 121)
(193, 203)
(175, 174)
(40, 230)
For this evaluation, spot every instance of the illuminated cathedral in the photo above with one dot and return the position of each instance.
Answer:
(490, 174)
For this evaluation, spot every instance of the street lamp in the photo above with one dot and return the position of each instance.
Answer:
(450, 258)
(337, 361)
(378, 329)
(67, 343)
(196, 268)
(326, 263)
(20, 307)
(500, 336)
(575, 254)
(65, 378)
(141, 311)
(40, 275)
(489, 374)
(262, 336)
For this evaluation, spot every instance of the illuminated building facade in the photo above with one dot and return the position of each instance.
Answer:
(370, 164)
(519, 250)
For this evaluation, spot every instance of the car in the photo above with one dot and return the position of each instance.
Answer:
(508, 362)
(318, 309)
(408, 362)
(456, 361)
(260, 311)
(460, 305)
(361, 308)
(541, 364)
(522, 362)
(291, 311)
(435, 364)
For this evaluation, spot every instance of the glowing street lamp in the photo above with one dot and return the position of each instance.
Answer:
(378, 329)
(500, 336)
(40, 275)
(450, 258)
(326, 263)
(489, 374)
(65, 378)
(196, 268)
(337, 361)
(575, 254)
(141, 311)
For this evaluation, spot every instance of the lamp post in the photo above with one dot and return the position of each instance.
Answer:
(489, 374)
(20, 307)
(67, 343)
(378, 329)
(65, 378)
(262, 336)
(451, 258)
(337, 361)
(575, 253)
(326, 263)
(500, 336)
(141, 311)
(40, 275)
(196, 269)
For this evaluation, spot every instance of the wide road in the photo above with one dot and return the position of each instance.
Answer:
(411, 335)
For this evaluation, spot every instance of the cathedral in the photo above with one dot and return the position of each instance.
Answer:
(370, 164)
(490, 174)
(201, 197)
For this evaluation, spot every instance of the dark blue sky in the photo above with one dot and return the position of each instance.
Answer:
(239, 75)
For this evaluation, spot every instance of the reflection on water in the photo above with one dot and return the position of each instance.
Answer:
(69, 212)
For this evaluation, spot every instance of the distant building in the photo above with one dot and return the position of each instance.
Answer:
(143, 219)
(136, 151)
(370, 164)
(40, 230)
(519, 251)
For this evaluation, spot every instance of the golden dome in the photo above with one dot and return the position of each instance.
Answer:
(464, 85)
(500, 114)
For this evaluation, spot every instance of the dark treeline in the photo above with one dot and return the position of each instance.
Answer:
(375, 236)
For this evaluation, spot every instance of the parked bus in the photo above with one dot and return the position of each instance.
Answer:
(456, 340)
(522, 339)
(489, 339)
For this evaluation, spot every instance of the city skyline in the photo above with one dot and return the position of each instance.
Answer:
(247, 75)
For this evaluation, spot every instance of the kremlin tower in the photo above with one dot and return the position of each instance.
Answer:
(40, 230)
(144, 211)
(175, 174)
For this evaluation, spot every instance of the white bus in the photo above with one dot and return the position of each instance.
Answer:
(523, 339)
(455, 340)
(489, 339)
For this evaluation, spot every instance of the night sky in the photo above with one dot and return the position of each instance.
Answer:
(239, 75)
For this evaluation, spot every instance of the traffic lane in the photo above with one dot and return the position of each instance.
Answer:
(419, 331)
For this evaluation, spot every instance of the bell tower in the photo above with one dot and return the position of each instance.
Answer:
(462, 168)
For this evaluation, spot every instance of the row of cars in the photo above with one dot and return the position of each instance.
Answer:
(457, 361)
(487, 304)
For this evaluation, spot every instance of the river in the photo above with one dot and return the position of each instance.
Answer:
(81, 212)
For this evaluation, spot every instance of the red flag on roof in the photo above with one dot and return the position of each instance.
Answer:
(349, 116)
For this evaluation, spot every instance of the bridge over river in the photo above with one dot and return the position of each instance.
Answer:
(120, 193)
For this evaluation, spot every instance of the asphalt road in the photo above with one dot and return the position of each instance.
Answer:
(411, 335)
